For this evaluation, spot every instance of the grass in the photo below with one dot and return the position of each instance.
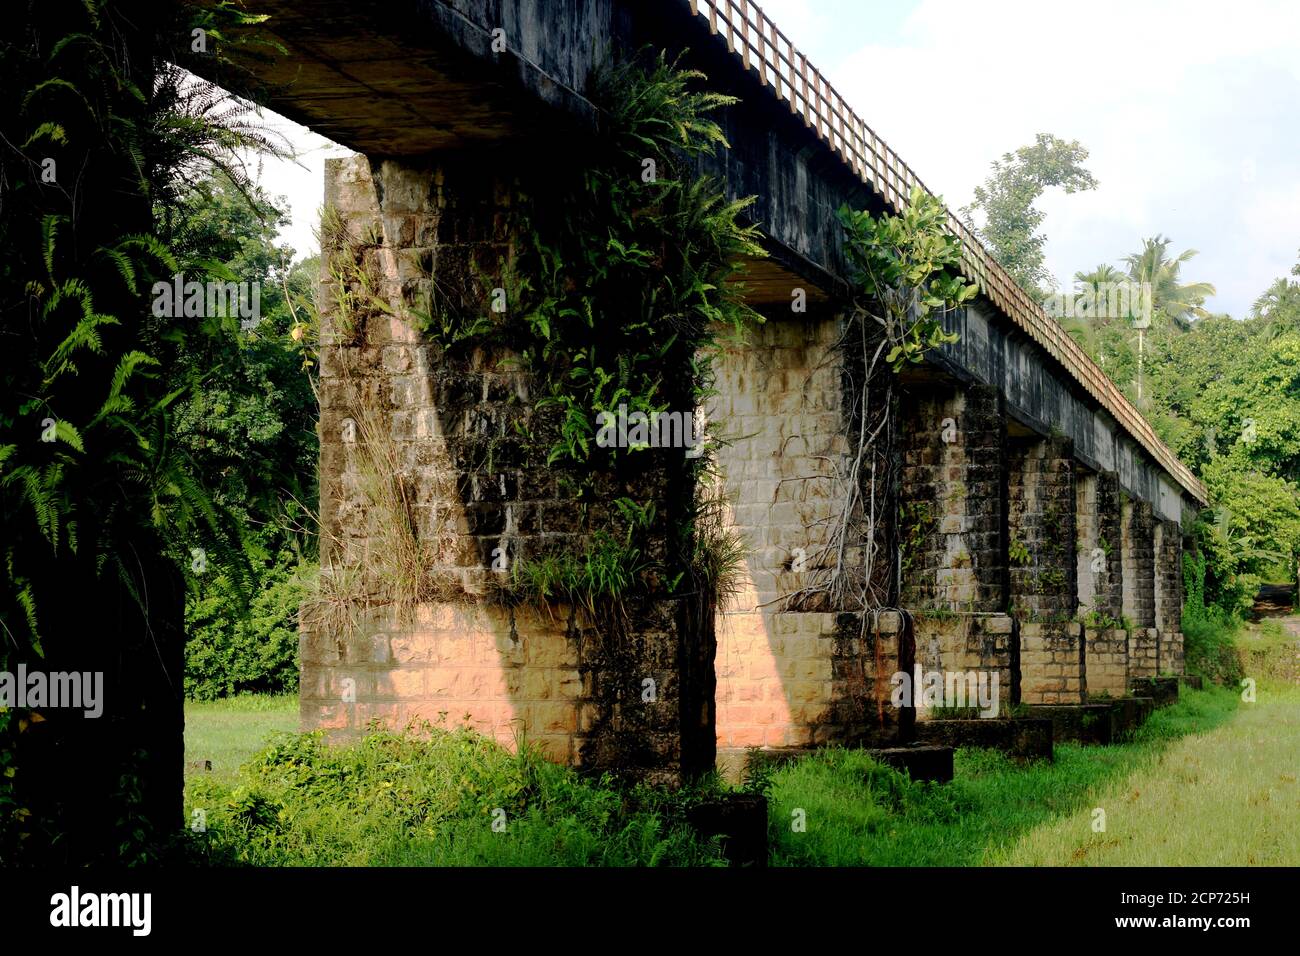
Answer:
(861, 815)
(1210, 780)
(1226, 797)
(229, 731)
(434, 798)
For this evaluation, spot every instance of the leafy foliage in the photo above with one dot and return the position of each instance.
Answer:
(619, 289)
(98, 496)
(1011, 221)
(430, 797)
(238, 647)
(910, 264)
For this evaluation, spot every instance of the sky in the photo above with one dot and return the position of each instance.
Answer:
(1190, 112)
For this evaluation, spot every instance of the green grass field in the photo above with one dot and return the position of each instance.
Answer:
(1211, 780)
(228, 732)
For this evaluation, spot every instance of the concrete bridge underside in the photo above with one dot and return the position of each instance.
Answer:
(1051, 551)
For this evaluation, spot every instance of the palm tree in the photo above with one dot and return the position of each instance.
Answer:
(1084, 330)
(1101, 283)
(1177, 302)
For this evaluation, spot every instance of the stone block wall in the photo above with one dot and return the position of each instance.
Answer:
(778, 413)
(509, 674)
(1169, 595)
(1101, 591)
(1052, 663)
(786, 677)
(968, 643)
(1144, 652)
(798, 679)
(1138, 562)
(1106, 666)
(442, 428)
(951, 500)
(1041, 520)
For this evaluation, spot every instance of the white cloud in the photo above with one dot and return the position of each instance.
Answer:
(1170, 98)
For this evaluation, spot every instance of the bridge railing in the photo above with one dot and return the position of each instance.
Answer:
(755, 39)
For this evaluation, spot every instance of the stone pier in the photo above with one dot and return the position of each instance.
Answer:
(1101, 591)
(1169, 596)
(426, 480)
(1138, 561)
(951, 534)
(1041, 504)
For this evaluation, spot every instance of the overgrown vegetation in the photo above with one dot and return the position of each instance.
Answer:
(860, 814)
(433, 797)
(619, 289)
(907, 277)
(249, 430)
(102, 505)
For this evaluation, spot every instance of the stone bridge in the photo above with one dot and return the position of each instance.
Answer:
(1052, 556)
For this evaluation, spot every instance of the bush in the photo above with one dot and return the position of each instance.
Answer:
(235, 649)
(1209, 644)
(430, 798)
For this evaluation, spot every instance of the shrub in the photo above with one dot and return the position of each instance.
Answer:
(1209, 644)
(235, 649)
(430, 797)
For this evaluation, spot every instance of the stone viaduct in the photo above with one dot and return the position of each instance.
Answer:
(1050, 550)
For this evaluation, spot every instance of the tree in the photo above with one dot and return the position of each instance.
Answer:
(1102, 336)
(251, 430)
(1226, 398)
(1007, 200)
(1251, 532)
(1173, 301)
(96, 499)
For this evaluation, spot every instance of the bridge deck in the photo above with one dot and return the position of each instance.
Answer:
(761, 47)
(411, 78)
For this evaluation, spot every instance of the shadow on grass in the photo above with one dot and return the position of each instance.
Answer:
(838, 808)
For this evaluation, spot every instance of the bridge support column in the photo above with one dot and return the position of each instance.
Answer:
(1041, 521)
(952, 503)
(1169, 596)
(1138, 562)
(430, 495)
(1101, 592)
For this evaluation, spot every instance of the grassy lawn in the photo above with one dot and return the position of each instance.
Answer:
(227, 732)
(1227, 797)
(1208, 781)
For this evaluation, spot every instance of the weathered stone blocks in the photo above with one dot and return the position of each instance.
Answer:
(1106, 652)
(951, 500)
(426, 239)
(1138, 563)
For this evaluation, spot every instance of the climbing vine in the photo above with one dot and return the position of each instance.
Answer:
(906, 272)
(619, 287)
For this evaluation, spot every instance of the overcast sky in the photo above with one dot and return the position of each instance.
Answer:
(1190, 111)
